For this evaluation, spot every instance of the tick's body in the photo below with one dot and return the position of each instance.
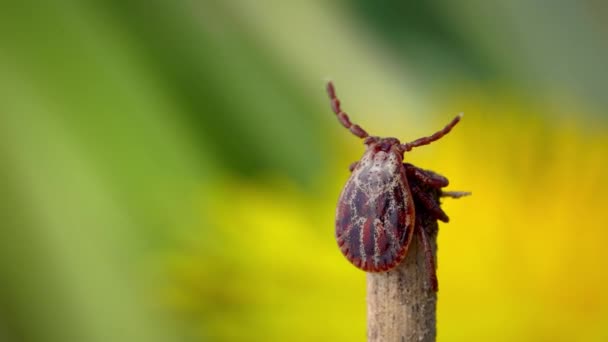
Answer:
(376, 216)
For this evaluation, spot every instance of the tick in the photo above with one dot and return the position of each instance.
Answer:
(376, 213)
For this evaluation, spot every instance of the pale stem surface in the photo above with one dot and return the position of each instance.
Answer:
(400, 304)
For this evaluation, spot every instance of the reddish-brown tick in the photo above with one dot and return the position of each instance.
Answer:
(376, 215)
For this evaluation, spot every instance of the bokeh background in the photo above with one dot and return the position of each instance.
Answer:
(169, 169)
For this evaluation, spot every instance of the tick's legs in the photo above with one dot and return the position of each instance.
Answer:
(436, 136)
(428, 253)
(454, 194)
(353, 166)
(433, 180)
(342, 116)
(428, 203)
(427, 177)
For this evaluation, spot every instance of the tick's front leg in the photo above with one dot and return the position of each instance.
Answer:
(430, 178)
(353, 166)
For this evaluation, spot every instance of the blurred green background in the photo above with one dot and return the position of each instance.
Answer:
(169, 170)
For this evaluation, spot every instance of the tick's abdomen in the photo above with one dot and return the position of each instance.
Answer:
(375, 214)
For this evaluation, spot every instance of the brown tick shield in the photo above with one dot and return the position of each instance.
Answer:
(376, 216)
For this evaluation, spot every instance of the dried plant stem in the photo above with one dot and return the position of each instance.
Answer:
(400, 304)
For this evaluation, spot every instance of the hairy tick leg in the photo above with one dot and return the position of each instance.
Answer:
(430, 260)
(342, 116)
(436, 136)
(455, 194)
(427, 177)
(432, 206)
(353, 166)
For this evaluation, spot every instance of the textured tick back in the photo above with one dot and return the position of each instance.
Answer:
(375, 213)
